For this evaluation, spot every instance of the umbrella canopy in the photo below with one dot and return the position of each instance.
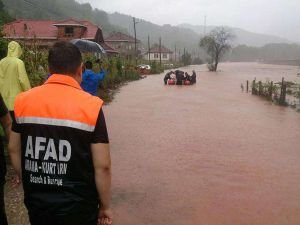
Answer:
(88, 46)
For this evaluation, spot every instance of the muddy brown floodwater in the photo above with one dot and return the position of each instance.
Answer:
(206, 154)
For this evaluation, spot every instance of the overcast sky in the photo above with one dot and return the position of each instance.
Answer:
(277, 17)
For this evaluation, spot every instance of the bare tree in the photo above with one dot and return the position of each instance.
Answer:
(216, 44)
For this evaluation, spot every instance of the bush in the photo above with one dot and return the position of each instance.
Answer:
(113, 77)
(186, 59)
(37, 78)
(36, 63)
(211, 67)
(197, 61)
(156, 68)
(3, 47)
(131, 74)
(297, 94)
(118, 70)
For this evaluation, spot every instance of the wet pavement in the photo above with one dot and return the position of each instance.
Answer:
(206, 154)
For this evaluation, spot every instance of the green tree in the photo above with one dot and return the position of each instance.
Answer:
(186, 58)
(58, 10)
(4, 16)
(197, 61)
(216, 44)
(3, 46)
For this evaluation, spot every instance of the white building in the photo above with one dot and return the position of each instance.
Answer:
(155, 52)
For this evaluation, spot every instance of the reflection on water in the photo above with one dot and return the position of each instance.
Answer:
(206, 154)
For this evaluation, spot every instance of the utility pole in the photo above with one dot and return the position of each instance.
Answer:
(204, 28)
(175, 53)
(160, 51)
(135, 52)
(149, 49)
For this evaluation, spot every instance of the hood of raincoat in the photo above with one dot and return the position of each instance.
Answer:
(14, 49)
(13, 76)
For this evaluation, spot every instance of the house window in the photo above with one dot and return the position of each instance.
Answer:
(155, 56)
(165, 56)
(69, 31)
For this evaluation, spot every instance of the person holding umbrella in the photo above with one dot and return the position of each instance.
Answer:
(88, 46)
(90, 79)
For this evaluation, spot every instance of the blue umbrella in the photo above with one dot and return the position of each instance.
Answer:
(88, 46)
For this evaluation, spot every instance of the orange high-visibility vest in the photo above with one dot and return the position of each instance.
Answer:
(56, 122)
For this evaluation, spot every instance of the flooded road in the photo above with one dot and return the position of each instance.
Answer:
(206, 154)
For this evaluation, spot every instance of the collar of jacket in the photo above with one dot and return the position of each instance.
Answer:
(63, 79)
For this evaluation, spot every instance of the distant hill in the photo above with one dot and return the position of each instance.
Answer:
(270, 52)
(250, 46)
(243, 37)
(171, 35)
(186, 35)
(183, 36)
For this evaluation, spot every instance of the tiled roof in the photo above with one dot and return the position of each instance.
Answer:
(120, 37)
(45, 29)
(108, 48)
(30, 29)
(72, 22)
(156, 49)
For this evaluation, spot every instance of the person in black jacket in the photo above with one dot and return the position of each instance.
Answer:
(179, 77)
(5, 122)
(168, 77)
(187, 76)
(60, 146)
(193, 77)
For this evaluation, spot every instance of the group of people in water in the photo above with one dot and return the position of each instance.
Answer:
(180, 78)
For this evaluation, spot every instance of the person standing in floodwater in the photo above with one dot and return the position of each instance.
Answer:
(59, 143)
(193, 77)
(168, 77)
(179, 77)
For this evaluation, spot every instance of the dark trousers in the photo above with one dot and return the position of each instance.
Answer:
(12, 115)
(63, 220)
(3, 220)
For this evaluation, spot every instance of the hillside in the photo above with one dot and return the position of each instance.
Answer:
(243, 37)
(269, 52)
(183, 36)
(58, 10)
(250, 46)
(4, 17)
(171, 36)
(187, 36)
